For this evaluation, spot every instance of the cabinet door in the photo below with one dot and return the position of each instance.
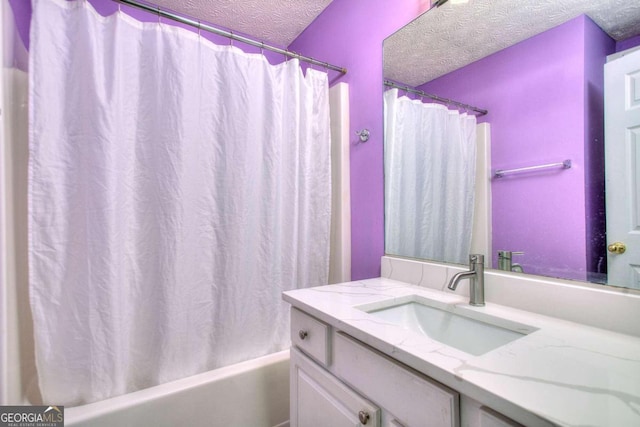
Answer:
(318, 399)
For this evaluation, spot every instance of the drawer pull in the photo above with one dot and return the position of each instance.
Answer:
(363, 416)
(302, 334)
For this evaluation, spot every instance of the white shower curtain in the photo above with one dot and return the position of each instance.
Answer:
(176, 189)
(430, 158)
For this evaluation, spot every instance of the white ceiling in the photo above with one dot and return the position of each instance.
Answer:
(452, 36)
(276, 22)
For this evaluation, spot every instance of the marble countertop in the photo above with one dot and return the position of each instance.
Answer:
(564, 373)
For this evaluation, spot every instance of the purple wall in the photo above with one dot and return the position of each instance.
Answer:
(535, 93)
(22, 13)
(350, 33)
(597, 46)
(628, 43)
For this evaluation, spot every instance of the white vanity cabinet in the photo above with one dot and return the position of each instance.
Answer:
(338, 381)
(318, 399)
(554, 373)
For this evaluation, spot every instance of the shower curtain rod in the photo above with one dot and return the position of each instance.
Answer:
(229, 34)
(480, 111)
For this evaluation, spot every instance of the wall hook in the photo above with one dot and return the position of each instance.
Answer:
(363, 134)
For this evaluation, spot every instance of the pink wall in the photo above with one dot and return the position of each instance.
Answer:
(350, 33)
(535, 92)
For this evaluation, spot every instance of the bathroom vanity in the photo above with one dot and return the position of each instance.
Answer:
(385, 352)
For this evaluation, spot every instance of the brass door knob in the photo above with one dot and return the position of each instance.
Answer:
(617, 248)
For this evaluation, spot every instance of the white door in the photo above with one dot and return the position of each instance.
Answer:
(622, 165)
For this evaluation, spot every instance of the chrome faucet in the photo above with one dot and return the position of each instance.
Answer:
(476, 278)
(505, 261)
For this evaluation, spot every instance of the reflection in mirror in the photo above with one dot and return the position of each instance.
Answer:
(539, 70)
(428, 144)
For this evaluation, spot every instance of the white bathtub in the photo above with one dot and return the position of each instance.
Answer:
(250, 394)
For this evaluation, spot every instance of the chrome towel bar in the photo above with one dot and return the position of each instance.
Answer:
(502, 172)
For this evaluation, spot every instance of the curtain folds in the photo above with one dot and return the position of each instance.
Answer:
(176, 189)
(430, 158)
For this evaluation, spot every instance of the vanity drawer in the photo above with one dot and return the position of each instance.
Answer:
(310, 335)
(413, 398)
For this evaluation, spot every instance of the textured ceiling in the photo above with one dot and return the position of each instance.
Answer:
(277, 22)
(452, 36)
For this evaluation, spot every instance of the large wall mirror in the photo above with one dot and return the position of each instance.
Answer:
(555, 79)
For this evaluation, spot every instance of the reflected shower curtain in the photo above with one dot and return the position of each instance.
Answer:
(176, 189)
(430, 158)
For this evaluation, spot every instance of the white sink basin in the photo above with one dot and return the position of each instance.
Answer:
(460, 330)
